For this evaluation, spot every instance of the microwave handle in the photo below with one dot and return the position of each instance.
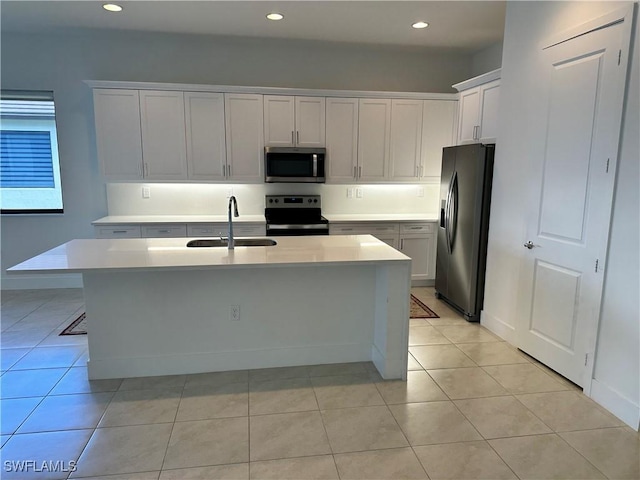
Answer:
(315, 165)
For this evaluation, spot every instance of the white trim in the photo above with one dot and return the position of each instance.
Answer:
(620, 406)
(35, 282)
(479, 80)
(607, 20)
(267, 90)
(499, 327)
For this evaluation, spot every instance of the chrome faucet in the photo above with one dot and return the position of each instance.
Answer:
(232, 200)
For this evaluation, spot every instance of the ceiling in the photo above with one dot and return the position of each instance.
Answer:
(463, 25)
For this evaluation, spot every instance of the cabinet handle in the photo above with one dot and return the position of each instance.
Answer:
(355, 172)
(359, 172)
(164, 231)
(298, 138)
(119, 231)
(146, 169)
(293, 142)
(421, 171)
(402, 244)
(229, 169)
(141, 169)
(415, 228)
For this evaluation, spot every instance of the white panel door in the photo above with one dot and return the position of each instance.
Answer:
(418, 247)
(406, 139)
(279, 121)
(245, 137)
(206, 147)
(571, 195)
(489, 114)
(374, 134)
(438, 131)
(164, 149)
(118, 136)
(342, 139)
(468, 121)
(310, 121)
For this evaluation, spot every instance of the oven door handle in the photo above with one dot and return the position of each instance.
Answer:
(320, 226)
(315, 165)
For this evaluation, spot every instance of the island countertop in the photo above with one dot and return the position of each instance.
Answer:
(155, 254)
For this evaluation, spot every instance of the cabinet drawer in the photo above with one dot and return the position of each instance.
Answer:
(117, 231)
(406, 228)
(172, 230)
(249, 230)
(363, 229)
(207, 230)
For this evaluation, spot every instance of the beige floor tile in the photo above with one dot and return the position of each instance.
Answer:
(393, 464)
(239, 471)
(332, 369)
(451, 319)
(346, 391)
(543, 456)
(76, 380)
(117, 450)
(492, 353)
(217, 378)
(279, 373)
(67, 412)
(440, 356)
(49, 357)
(614, 451)
(160, 382)
(565, 411)
(9, 356)
(4, 439)
(412, 363)
(23, 338)
(468, 460)
(305, 468)
(433, 422)
(362, 428)
(556, 376)
(419, 387)
(14, 411)
(203, 402)
(208, 442)
(29, 383)
(43, 447)
(137, 407)
(287, 435)
(281, 396)
(426, 336)
(497, 417)
(127, 476)
(470, 333)
(460, 383)
(523, 378)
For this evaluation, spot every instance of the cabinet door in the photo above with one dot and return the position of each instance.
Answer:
(279, 123)
(391, 240)
(118, 136)
(469, 114)
(163, 136)
(310, 121)
(245, 145)
(206, 147)
(342, 139)
(490, 97)
(438, 131)
(419, 248)
(406, 139)
(164, 231)
(374, 132)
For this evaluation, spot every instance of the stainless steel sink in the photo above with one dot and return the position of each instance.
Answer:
(239, 242)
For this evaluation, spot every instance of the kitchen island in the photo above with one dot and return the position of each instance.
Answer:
(156, 307)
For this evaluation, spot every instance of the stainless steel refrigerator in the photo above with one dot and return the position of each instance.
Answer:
(465, 196)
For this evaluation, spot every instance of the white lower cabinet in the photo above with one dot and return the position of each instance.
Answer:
(117, 231)
(180, 230)
(164, 231)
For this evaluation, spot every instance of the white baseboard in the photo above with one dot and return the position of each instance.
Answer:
(620, 406)
(497, 326)
(35, 282)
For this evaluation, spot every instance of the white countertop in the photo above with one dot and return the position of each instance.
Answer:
(380, 217)
(108, 255)
(141, 219)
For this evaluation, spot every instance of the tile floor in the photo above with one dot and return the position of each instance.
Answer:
(473, 407)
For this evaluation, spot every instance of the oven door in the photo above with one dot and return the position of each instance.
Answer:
(299, 165)
(297, 229)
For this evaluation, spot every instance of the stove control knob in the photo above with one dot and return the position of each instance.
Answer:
(309, 200)
(271, 200)
(315, 200)
(277, 200)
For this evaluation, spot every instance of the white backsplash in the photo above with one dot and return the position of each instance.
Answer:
(210, 199)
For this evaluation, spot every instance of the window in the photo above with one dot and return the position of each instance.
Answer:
(29, 164)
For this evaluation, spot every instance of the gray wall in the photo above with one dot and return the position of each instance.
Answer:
(61, 62)
(487, 60)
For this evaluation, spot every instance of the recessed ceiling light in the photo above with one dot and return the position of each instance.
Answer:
(420, 25)
(275, 16)
(112, 7)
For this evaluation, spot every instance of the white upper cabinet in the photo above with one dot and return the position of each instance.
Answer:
(205, 130)
(406, 140)
(438, 131)
(342, 140)
(374, 136)
(245, 137)
(163, 135)
(118, 137)
(294, 121)
(478, 108)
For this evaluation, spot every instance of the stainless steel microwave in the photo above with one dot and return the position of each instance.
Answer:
(294, 165)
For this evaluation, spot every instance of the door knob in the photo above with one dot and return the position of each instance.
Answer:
(529, 245)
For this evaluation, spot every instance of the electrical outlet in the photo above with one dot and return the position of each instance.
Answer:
(359, 192)
(146, 192)
(234, 312)
(421, 191)
(349, 192)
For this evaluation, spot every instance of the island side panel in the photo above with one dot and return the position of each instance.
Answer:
(143, 323)
(391, 325)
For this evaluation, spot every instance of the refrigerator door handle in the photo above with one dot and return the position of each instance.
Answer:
(447, 215)
(453, 215)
